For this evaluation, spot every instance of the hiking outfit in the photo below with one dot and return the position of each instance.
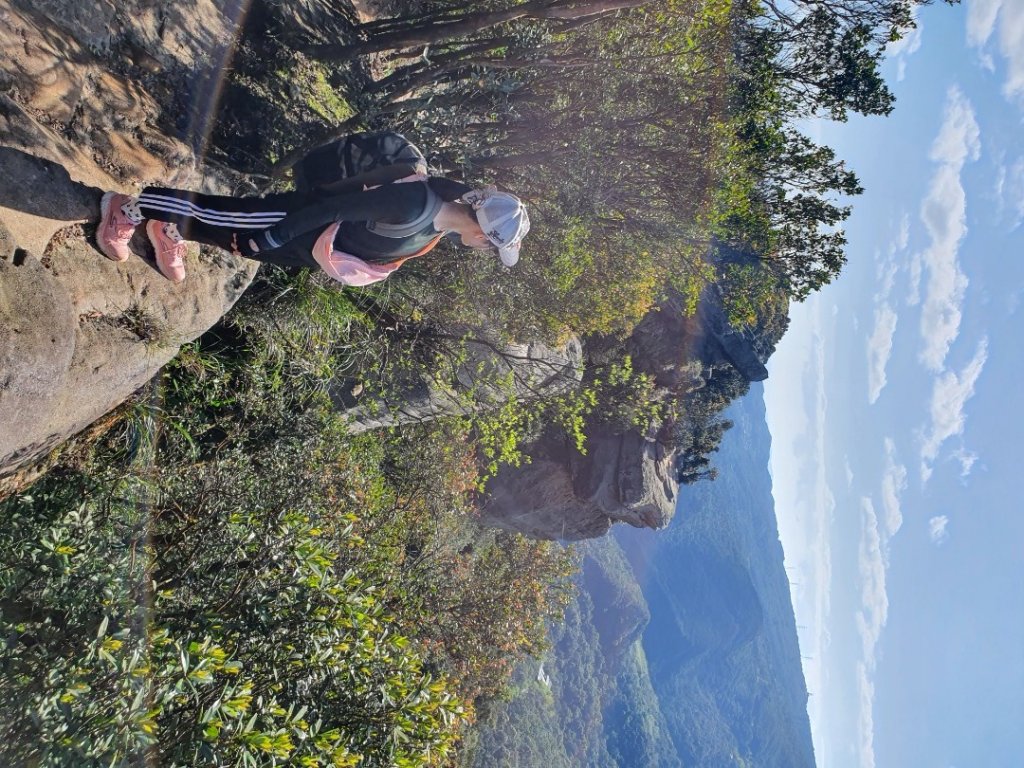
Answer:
(357, 237)
(379, 225)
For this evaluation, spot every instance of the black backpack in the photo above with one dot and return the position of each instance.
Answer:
(363, 158)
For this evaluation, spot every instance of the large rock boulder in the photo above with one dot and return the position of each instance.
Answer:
(563, 494)
(627, 476)
(79, 333)
(678, 348)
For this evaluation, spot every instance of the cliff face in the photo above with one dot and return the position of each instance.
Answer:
(626, 476)
(562, 494)
(79, 333)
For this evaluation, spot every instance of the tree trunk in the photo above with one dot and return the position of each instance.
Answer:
(450, 73)
(494, 162)
(429, 33)
(438, 65)
(425, 34)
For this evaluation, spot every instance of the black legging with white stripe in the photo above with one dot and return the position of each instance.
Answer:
(226, 222)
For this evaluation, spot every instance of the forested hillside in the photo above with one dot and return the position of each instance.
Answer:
(681, 648)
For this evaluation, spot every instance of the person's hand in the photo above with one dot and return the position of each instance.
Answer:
(249, 244)
(258, 241)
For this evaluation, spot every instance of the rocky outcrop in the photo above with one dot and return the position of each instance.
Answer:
(625, 476)
(677, 347)
(563, 494)
(79, 333)
(742, 348)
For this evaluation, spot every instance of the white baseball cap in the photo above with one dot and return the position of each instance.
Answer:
(503, 219)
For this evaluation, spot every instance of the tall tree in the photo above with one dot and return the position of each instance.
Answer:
(432, 29)
(824, 55)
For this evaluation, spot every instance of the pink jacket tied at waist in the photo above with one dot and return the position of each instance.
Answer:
(344, 267)
(349, 269)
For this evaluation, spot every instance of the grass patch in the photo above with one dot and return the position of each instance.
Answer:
(141, 324)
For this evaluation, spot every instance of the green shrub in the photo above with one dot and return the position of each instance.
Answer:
(207, 616)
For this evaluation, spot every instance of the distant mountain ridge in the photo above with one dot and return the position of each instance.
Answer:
(722, 646)
(681, 649)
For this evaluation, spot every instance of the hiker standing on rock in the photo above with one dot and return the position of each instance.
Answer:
(357, 237)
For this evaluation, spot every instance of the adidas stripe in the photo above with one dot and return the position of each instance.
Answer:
(227, 219)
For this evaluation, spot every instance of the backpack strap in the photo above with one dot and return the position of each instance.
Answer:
(384, 174)
(352, 270)
(356, 142)
(407, 228)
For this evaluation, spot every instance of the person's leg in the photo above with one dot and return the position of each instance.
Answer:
(217, 220)
(169, 248)
(213, 219)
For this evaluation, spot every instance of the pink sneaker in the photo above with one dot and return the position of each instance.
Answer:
(115, 229)
(170, 249)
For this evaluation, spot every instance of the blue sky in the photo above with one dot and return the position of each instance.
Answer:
(896, 406)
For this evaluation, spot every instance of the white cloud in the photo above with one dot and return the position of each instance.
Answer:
(871, 565)
(894, 482)
(983, 18)
(886, 274)
(1008, 191)
(906, 47)
(879, 344)
(865, 717)
(981, 21)
(944, 214)
(950, 394)
(879, 348)
(1011, 192)
(959, 136)
(903, 236)
(870, 620)
(967, 460)
(937, 529)
(914, 280)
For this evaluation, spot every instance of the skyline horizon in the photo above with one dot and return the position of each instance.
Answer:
(892, 407)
